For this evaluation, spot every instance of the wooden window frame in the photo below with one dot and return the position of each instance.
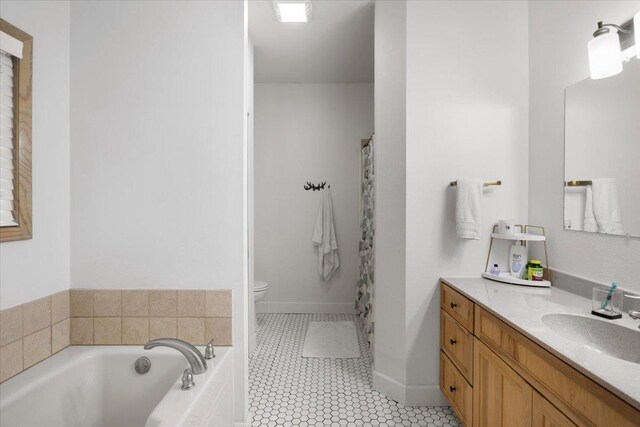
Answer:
(22, 138)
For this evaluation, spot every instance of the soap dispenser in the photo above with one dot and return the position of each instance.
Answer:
(517, 259)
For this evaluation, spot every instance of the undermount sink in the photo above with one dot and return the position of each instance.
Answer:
(606, 337)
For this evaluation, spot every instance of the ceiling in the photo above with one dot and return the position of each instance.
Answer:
(335, 46)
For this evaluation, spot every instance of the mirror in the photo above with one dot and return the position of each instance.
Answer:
(602, 154)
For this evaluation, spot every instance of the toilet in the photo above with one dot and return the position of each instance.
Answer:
(260, 289)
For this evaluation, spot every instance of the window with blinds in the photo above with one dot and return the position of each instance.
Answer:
(7, 143)
(16, 69)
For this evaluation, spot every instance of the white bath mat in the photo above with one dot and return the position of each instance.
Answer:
(335, 340)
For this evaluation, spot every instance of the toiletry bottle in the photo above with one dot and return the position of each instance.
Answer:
(495, 270)
(517, 259)
(535, 271)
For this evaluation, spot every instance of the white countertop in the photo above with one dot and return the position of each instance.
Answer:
(523, 307)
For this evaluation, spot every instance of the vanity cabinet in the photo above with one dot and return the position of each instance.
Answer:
(501, 397)
(547, 415)
(494, 376)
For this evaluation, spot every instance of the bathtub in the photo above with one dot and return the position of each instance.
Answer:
(98, 387)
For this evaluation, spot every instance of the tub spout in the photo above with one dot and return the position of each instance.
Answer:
(193, 355)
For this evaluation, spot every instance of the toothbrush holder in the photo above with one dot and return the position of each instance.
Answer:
(611, 309)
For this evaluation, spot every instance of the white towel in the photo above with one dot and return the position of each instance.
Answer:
(324, 237)
(606, 206)
(468, 208)
(590, 223)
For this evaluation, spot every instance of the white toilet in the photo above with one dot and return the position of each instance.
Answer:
(260, 289)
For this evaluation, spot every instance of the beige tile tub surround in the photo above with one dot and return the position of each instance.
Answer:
(135, 330)
(31, 332)
(34, 331)
(163, 303)
(135, 303)
(107, 330)
(133, 317)
(163, 327)
(107, 303)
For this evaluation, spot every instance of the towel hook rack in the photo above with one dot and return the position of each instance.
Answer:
(315, 187)
(486, 183)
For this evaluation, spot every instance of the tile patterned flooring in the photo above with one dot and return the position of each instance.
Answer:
(286, 389)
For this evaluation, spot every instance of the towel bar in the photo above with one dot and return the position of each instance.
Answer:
(486, 183)
(577, 183)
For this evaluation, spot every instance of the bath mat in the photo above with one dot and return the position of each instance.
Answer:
(334, 340)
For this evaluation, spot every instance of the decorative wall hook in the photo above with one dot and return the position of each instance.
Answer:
(310, 186)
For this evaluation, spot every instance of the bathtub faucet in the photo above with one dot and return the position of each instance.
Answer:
(193, 355)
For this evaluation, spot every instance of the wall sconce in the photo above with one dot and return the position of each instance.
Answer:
(605, 54)
(636, 30)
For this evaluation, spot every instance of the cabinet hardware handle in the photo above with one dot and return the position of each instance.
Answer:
(452, 388)
(453, 305)
(452, 341)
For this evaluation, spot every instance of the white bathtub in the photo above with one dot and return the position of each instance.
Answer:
(98, 387)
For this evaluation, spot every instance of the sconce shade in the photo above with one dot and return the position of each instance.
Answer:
(605, 58)
(636, 30)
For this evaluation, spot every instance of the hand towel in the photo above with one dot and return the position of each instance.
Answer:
(324, 237)
(468, 208)
(606, 206)
(590, 223)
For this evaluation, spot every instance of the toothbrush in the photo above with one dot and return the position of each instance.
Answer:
(607, 300)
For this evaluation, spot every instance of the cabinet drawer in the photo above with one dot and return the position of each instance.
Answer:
(584, 401)
(457, 343)
(456, 389)
(458, 306)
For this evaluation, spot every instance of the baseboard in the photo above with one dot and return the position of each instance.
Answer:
(425, 395)
(306, 307)
(245, 423)
(408, 395)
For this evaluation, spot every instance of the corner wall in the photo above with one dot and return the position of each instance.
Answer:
(32, 269)
(558, 58)
(389, 373)
(466, 110)
(467, 116)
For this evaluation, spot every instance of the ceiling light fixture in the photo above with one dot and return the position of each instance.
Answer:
(292, 11)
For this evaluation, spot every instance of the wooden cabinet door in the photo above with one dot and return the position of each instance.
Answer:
(501, 398)
(547, 415)
(456, 389)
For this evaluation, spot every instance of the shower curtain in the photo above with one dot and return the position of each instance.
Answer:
(364, 295)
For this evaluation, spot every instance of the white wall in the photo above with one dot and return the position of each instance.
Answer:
(307, 132)
(389, 374)
(38, 267)
(466, 115)
(159, 153)
(248, 85)
(558, 59)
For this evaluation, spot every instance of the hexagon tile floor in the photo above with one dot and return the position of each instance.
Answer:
(286, 389)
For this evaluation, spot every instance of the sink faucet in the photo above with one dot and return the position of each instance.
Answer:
(634, 314)
(193, 355)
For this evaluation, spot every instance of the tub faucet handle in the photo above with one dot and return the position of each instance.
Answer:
(208, 351)
(187, 380)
